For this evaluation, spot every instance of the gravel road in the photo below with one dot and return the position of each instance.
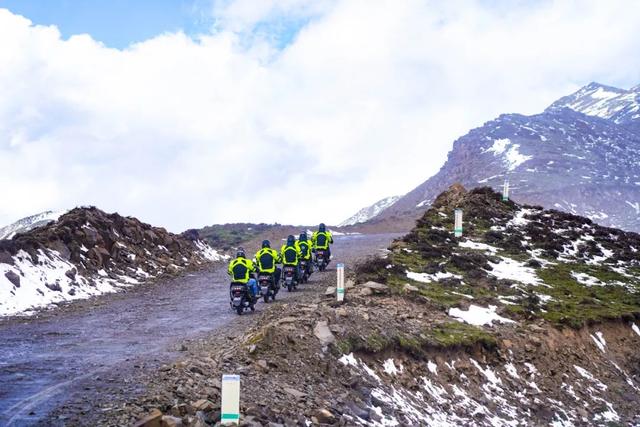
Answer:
(57, 360)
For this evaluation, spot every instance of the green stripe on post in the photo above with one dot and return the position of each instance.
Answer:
(230, 416)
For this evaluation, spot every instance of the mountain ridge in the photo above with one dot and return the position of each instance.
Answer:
(560, 158)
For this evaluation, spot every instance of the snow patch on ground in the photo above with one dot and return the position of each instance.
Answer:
(635, 329)
(429, 278)
(510, 269)
(470, 244)
(478, 316)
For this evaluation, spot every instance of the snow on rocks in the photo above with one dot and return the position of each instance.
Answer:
(478, 316)
(208, 252)
(511, 269)
(598, 338)
(390, 367)
(49, 280)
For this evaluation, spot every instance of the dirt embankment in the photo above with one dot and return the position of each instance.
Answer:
(381, 357)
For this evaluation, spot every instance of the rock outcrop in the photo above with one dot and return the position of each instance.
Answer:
(87, 252)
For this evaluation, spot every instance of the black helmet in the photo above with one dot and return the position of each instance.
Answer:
(240, 253)
(303, 236)
(291, 240)
(322, 227)
(266, 244)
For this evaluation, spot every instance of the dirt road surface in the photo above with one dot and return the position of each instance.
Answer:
(55, 362)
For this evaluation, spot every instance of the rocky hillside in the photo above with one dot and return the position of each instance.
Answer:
(581, 155)
(29, 223)
(88, 252)
(531, 318)
(370, 212)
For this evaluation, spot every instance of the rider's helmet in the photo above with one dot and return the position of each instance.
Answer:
(240, 253)
(291, 240)
(303, 236)
(266, 244)
(322, 227)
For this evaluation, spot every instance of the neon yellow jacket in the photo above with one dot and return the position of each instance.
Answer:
(290, 255)
(266, 259)
(325, 239)
(240, 270)
(304, 247)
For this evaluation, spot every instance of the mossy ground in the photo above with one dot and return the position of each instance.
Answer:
(431, 248)
(442, 335)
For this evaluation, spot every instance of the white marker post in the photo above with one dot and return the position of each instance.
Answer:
(340, 285)
(230, 408)
(505, 190)
(457, 228)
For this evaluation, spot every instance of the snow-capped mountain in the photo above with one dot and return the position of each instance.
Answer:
(29, 223)
(563, 158)
(365, 214)
(621, 106)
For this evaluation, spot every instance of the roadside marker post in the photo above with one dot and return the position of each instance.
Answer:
(340, 285)
(230, 407)
(457, 228)
(505, 190)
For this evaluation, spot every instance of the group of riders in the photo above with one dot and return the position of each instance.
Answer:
(296, 256)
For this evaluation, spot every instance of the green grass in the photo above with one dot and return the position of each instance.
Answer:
(575, 304)
(447, 335)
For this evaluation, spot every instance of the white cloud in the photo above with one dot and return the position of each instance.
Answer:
(363, 103)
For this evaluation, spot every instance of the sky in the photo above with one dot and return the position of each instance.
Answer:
(189, 113)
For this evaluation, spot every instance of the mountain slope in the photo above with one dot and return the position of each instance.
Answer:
(560, 158)
(88, 252)
(29, 223)
(370, 212)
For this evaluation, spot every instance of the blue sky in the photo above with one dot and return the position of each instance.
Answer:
(117, 23)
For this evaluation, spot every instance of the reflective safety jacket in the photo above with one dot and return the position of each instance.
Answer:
(322, 239)
(267, 258)
(240, 270)
(289, 255)
(304, 246)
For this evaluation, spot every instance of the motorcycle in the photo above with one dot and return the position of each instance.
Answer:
(304, 269)
(241, 298)
(268, 287)
(321, 259)
(289, 274)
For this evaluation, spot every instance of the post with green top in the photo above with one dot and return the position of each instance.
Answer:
(340, 284)
(457, 228)
(505, 190)
(230, 407)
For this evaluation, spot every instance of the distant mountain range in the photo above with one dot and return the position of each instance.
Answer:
(581, 155)
(29, 223)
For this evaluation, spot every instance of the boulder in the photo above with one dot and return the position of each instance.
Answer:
(331, 290)
(203, 405)
(322, 332)
(325, 416)
(13, 278)
(171, 421)
(376, 288)
(154, 419)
